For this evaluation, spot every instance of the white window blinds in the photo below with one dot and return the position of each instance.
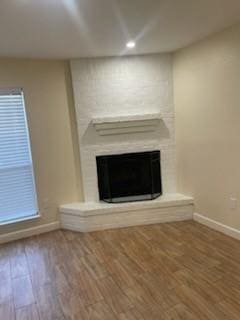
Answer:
(17, 187)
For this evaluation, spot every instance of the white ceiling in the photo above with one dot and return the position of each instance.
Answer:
(82, 28)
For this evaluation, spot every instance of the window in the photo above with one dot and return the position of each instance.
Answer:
(17, 187)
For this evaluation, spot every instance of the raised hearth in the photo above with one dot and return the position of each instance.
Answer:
(90, 216)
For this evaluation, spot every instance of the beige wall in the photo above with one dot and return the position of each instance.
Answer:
(207, 102)
(49, 104)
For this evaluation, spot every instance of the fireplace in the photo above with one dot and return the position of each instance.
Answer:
(129, 177)
(118, 119)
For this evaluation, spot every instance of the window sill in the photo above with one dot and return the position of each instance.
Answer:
(19, 220)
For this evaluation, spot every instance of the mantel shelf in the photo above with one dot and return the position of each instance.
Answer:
(126, 124)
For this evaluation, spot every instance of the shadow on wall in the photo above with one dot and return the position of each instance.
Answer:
(74, 131)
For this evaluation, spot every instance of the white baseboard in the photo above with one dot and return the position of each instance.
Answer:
(83, 227)
(25, 233)
(232, 232)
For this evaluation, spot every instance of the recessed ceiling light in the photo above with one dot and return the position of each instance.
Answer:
(130, 44)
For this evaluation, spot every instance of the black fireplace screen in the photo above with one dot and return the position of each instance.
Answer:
(129, 177)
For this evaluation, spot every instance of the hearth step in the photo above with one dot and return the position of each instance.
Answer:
(91, 216)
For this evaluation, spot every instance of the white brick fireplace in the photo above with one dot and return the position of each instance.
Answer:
(124, 105)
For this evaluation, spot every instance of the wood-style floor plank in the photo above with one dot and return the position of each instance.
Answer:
(173, 271)
(22, 292)
(18, 262)
(27, 313)
(7, 311)
(48, 303)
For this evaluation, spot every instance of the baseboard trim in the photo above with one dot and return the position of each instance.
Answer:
(232, 232)
(25, 233)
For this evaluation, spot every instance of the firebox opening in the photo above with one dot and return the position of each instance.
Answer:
(129, 177)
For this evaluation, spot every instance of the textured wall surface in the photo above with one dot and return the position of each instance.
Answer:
(124, 86)
(207, 104)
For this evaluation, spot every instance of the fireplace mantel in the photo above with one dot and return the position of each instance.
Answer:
(126, 124)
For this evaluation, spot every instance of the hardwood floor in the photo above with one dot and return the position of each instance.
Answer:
(168, 271)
